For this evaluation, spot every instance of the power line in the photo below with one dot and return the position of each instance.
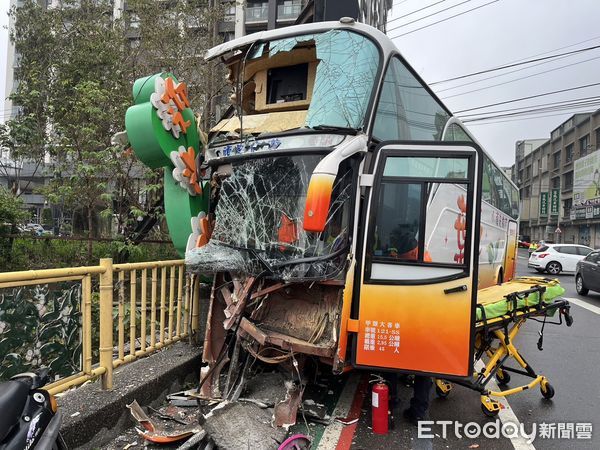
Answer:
(500, 75)
(522, 118)
(506, 66)
(446, 19)
(429, 15)
(529, 97)
(522, 68)
(573, 105)
(521, 78)
(554, 50)
(556, 103)
(413, 12)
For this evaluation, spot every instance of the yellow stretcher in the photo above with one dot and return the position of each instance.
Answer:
(501, 312)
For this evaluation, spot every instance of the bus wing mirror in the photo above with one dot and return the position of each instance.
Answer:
(318, 199)
(320, 187)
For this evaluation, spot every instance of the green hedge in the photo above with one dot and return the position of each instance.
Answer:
(24, 253)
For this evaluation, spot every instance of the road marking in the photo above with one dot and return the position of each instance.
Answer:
(506, 414)
(523, 257)
(332, 433)
(583, 304)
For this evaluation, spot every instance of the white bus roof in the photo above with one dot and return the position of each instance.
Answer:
(319, 27)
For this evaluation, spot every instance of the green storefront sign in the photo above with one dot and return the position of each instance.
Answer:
(162, 130)
(554, 201)
(543, 204)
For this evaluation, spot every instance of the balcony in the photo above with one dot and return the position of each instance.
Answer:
(33, 199)
(256, 14)
(288, 11)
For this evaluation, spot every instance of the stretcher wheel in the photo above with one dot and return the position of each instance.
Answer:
(547, 390)
(502, 377)
(568, 319)
(442, 388)
(490, 407)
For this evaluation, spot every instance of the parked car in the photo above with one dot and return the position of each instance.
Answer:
(524, 244)
(34, 228)
(587, 274)
(48, 230)
(557, 258)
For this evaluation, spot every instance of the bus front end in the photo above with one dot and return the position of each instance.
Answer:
(283, 165)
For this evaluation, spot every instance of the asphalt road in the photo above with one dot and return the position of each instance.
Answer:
(570, 360)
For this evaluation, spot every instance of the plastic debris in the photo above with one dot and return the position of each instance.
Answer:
(156, 434)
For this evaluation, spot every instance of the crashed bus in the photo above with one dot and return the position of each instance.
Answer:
(344, 215)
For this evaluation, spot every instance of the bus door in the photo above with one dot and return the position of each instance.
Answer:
(417, 293)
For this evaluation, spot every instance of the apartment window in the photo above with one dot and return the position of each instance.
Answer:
(584, 145)
(527, 172)
(567, 125)
(288, 9)
(557, 160)
(526, 192)
(569, 153)
(567, 205)
(598, 138)
(568, 180)
(257, 11)
(555, 182)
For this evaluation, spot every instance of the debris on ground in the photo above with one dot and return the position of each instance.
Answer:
(160, 433)
(243, 425)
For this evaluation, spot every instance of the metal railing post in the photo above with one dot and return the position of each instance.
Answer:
(106, 322)
(86, 323)
(195, 307)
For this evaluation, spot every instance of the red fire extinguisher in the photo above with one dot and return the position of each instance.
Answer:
(380, 406)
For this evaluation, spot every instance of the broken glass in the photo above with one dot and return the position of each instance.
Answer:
(259, 221)
(344, 81)
(348, 63)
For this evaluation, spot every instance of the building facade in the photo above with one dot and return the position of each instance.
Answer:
(259, 15)
(559, 181)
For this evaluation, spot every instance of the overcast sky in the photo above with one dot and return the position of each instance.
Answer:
(502, 32)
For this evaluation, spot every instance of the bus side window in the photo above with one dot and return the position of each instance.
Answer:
(446, 224)
(398, 221)
(486, 187)
(406, 110)
(398, 231)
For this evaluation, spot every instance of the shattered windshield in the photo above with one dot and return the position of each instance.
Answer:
(313, 80)
(260, 212)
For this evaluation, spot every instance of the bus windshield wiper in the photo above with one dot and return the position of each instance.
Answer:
(335, 128)
(312, 259)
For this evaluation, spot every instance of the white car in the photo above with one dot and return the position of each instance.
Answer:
(556, 258)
